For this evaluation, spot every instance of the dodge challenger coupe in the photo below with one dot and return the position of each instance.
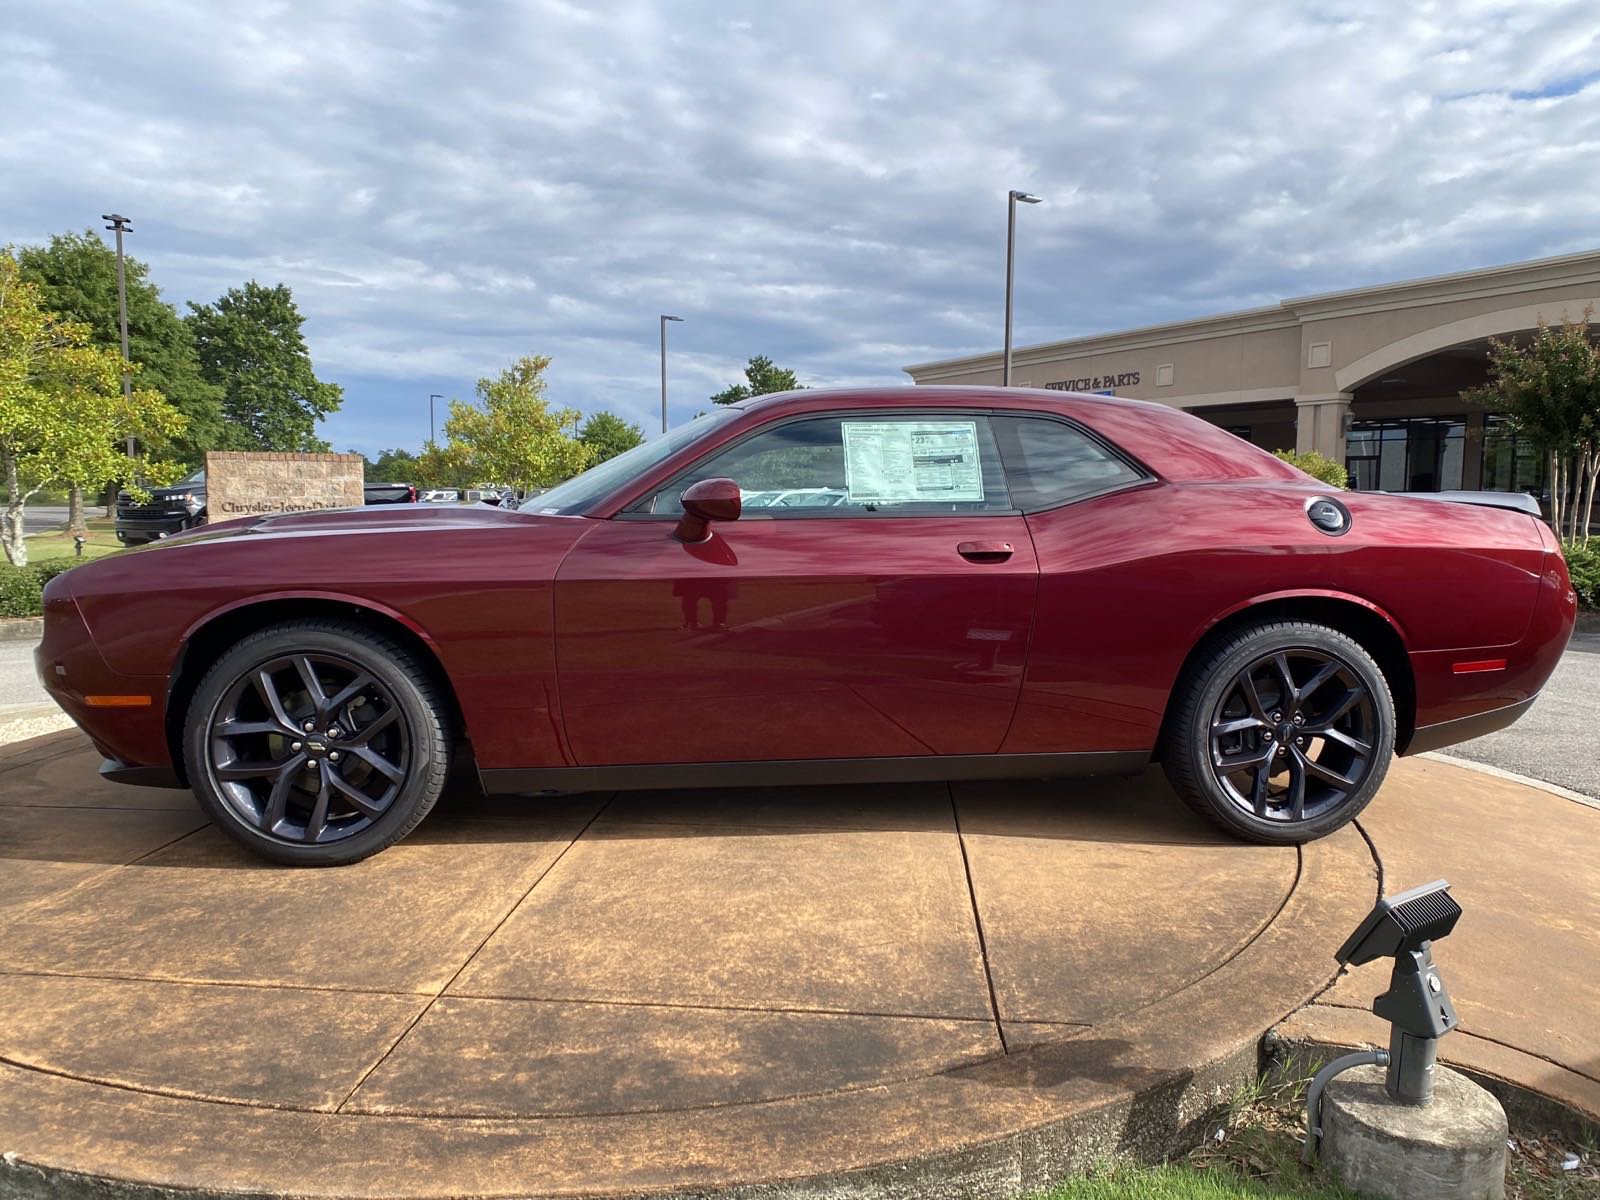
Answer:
(1002, 583)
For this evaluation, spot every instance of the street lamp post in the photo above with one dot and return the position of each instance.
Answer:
(120, 224)
(1011, 251)
(433, 434)
(664, 320)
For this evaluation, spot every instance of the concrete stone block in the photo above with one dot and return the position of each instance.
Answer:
(1453, 1148)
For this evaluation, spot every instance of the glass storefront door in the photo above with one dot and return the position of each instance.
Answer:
(1419, 454)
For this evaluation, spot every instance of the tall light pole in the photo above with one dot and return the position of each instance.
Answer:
(433, 435)
(1011, 253)
(664, 320)
(120, 224)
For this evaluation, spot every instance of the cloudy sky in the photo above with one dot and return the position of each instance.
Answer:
(446, 186)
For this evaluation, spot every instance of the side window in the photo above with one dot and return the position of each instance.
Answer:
(1049, 462)
(872, 463)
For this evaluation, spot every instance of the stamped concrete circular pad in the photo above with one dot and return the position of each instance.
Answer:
(916, 988)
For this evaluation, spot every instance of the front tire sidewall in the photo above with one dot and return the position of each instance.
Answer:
(1194, 736)
(391, 667)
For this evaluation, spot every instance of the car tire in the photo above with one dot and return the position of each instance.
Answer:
(367, 770)
(1280, 732)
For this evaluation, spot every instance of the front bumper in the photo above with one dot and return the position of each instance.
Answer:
(124, 715)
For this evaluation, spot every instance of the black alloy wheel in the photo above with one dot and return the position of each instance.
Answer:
(1282, 733)
(316, 743)
(1292, 736)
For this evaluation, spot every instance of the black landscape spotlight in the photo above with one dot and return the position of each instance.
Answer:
(1417, 1007)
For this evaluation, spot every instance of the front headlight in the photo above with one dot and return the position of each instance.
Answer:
(193, 504)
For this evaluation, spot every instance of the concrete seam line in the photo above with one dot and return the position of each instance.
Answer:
(977, 921)
(467, 962)
(1555, 789)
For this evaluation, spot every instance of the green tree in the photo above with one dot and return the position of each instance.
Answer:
(394, 466)
(1318, 466)
(608, 435)
(761, 377)
(1549, 391)
(515, 438)
(62, 411)
(250, 346)
(77, 277)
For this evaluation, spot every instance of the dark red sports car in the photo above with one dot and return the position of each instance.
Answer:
(906, 583)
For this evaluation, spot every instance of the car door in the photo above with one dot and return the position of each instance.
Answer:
(874, 599)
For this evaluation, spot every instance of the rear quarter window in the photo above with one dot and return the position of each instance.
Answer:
(1050, 463)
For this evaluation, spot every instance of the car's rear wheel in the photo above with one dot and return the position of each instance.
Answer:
(316, 743)
(1281, 733)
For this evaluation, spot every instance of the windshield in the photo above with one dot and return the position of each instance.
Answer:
(579, 492)
(195, 479)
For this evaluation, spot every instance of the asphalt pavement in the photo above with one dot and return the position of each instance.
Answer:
(41, 518)
(1555, 741)
(19, 686)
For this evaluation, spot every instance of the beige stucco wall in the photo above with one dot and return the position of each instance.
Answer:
(1313, 350)
(241, 484)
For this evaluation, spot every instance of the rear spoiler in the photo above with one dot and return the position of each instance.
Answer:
(1516, 501)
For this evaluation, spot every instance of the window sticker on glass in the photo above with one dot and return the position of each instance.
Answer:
(896, 462)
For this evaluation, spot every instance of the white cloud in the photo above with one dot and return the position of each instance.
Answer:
(447, 186)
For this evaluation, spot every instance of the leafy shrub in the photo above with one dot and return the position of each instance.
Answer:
(22, 588)
(1318, 466)
(1583, 564)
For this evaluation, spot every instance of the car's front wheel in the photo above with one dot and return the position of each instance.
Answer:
(1281, 733)
(316, 743)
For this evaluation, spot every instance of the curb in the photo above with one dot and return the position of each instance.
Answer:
(1588, 621)
(1470, 764)
(21, 629)
(1521, 1102)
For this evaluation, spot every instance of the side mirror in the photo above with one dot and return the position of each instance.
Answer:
(704, 502)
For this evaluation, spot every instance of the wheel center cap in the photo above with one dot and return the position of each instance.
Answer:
(314, 747)
(1286, 733)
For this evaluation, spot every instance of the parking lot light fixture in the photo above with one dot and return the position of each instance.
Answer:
(664, 320)
(121, 225)
(433, 433)
(1012, 199)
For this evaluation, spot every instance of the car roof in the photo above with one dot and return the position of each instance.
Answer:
(1174, 444)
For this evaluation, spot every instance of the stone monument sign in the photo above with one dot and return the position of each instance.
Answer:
(249, 483)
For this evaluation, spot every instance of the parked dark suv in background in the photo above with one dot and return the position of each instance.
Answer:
(169, 510)
(183, 506)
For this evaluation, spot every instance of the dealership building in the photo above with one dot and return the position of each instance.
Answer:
(1371, 377)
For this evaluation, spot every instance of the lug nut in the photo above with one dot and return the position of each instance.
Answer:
(1267, 735)
(1277, 716)
(309, 726)
(334, 732)
(1283, 749)
(295, 746)
(311, 762)
(333, 756)
(1299, 741)
(1299, 718)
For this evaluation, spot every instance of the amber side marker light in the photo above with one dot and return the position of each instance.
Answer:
(1474, 668)
(117, 701)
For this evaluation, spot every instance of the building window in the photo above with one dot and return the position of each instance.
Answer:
(1510, 463)
(1419, 455)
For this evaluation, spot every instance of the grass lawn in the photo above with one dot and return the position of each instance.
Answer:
(1257, 1157)
(102, 541)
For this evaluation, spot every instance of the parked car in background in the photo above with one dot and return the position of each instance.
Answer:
(169, 510)
(388, 493)
(1013, 583)
(441, 496)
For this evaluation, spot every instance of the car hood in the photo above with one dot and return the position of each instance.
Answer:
(369, 519)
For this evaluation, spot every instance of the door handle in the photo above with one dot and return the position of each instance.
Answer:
(984, 551)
